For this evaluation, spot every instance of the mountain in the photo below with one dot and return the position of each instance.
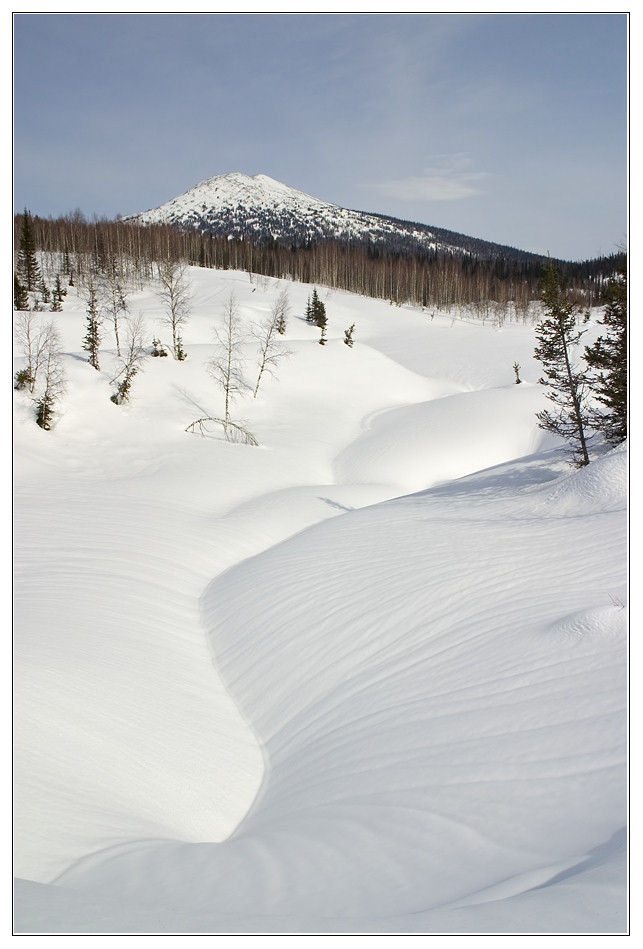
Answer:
(262, 210)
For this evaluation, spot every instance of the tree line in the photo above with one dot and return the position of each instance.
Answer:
(504, 287)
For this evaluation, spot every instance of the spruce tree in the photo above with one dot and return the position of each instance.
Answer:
(557, 335)
(27, 267)
(608, 360)
(20, 295)
(92, 340)
(315, 310)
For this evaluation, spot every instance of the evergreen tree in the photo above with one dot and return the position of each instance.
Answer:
(608, 360)
(92, 340)
(57, 296)
(557, 334)
(20, 295)
(316, 311)
(348, 336)
(28, 268)
(158, 349)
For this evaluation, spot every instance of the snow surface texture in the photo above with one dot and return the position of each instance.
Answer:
(366, 677)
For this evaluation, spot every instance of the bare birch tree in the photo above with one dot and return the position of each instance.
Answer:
(54, 379)
(33, 337)
(176, 296)
(226, 367)
(114, 293)
(131, 360)
(271, 349)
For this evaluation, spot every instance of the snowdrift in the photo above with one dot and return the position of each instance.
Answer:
(369, 677)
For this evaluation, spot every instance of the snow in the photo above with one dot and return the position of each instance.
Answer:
(368, 677)
(257, 203)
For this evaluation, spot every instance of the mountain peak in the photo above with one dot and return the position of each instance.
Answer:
(260, 209)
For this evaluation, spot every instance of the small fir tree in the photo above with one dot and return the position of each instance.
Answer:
(58, 292)
(348, 336)
(158, 349)
(20, 295)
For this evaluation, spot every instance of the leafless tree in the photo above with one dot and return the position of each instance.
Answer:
(176, 296)
(34, 338)
(114, 293)
(53, 379)
(131, 360)
(271, 349)
(227, 365)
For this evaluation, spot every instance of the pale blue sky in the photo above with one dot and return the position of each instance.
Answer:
(507, 127)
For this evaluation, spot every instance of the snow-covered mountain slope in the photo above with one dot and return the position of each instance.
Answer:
(268, 689)
(261, 209)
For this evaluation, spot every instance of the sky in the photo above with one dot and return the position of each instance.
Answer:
(507, 127)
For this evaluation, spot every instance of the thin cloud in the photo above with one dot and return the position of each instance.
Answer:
(445, 182)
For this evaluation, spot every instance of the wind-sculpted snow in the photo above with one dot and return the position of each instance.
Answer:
(430, 727)
(272, 690)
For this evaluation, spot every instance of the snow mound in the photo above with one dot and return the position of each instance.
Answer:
(429, 734)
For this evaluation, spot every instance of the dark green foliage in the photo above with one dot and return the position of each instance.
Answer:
(179, 352)
(92, 340)
(348, 336)
(557, 335)
(45, 411)
(316, 311)
(27, 267)
(607, 359)
(57, 295)
(157, 348)
(123, 389)
(20, 295)
(25, 379)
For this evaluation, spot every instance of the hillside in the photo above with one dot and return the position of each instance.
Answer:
(366, 677)
(262, 210)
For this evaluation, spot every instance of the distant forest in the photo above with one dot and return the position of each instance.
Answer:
(78, 249)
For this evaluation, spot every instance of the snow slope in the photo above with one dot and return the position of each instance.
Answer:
(366, 677)
(258, 208)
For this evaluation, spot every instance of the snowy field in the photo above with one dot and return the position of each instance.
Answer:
(367, 677)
